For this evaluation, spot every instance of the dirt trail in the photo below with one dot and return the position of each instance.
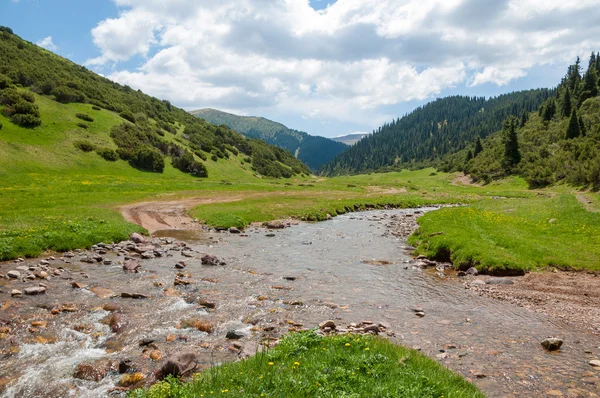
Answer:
(587, 203)
(462, 179)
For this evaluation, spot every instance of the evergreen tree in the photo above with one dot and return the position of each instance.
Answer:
(549, 110)
(512, 155)
(566, 103)
(573, 129)
(478, 147)
(590, 85)
(469, 156)
(582, 128)
(524, 118)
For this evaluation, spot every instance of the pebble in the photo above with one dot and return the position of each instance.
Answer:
(16, 293)
(31, 291)
(552, 343)
(595, 363)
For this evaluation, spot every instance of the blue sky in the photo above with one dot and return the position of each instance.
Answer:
(325, 67)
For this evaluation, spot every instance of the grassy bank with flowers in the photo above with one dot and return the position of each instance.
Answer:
(308, 365)
(513, 235)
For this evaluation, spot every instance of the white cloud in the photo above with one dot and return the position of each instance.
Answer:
(47, 44)
(346, 62)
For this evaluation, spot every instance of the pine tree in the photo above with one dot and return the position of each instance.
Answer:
(512, 155)
(590, 85)
(566, 103)
(582, 128)
(549, 110)
(573, 130)
(478, 147)
(469, 156)
(524, 118)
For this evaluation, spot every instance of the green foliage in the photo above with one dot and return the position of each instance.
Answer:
(308, 365)
(127, 115)
(573, 130)
(84, 145)
(108, 154)
(26, 120)
(84, 116)
(65, 95)
(148, 159)
(442, 127)
(183, 160)
(96, 108)
(512, 154)
(83, 126)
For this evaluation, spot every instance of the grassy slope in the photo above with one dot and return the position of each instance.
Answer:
(306, 365)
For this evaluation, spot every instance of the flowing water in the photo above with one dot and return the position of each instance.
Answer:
(302, 275)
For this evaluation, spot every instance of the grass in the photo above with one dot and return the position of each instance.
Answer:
(308, 365)
(514, 235)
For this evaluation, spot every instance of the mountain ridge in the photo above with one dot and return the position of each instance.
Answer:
(312, 150)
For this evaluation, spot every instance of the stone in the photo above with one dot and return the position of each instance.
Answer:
(207, 259)
(234, 230)
(77, 285)
(595, 363)
(147, 255)
(420, 314)
(182, 282)
(187, 253)
(180, 265)
(327, 324)
(135, 295)
(130, 379)
(132, 266)
(235, 335)
(472, 271)
(13, 274)
(177, 366)
(275, 225)
(32, 291)
(94, 371)
(137, 238)
(552, 343)
(87, 260)
(270, 235)
(125, 366)
(372, 328)
(477, 282)
(16, 293)
(207, 304)
(116, 322)
(155, 355)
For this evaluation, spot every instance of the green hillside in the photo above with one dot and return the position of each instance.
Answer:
(560, 142)
(425, 135)
(314, 151)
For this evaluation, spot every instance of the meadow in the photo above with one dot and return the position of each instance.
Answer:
(308, 365)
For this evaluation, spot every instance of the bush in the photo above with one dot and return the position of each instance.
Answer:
(149, 159)
(127, 115)
(28, 96)
(186, 163)
(5, 82)
(64, 95)
(85, 146)
(26, 120)
(84, 116)
(201, 155)
(83, 125)
(6, 29)
(26, 108)
(96, 108)
(108, 154)
(214, 158)
(9, 96)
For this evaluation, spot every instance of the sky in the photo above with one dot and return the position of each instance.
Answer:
(327, 67)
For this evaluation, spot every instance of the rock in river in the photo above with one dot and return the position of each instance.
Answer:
(13, 274)
(137, 238)
(31, 291)
(595, 363)
(207, 259)
(552, 343)
(177, 366)
(235, 335)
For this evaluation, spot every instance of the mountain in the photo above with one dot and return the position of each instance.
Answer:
(312, 150)
(56, 114)
(559, 142)
(350, 139)
(425, 135)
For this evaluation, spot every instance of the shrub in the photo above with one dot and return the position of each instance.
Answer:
(84, 116)
(214, 158)
(186, 163)
(29, 121)
(28, 96)
(9, 96)
(6, 29)
(140, 117)
(201, 155)
(83, 125)
(26, 108)
(5, 82)
(149, 159)
(108, 154)
(85, 146)
(96, 108)
(127, 115)
(64, 95)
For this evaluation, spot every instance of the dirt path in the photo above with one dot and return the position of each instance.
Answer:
(587, 203)
(173, 214)
(462, 179)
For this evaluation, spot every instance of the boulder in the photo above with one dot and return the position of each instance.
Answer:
(177, 366)
(132, 266)
(235, 335)
(13, 274)
(207, 259)
(276, 224)
(15, 293)
(552, 343)
(32, 291)
(234, 230)
(137, 238)
(327, 324)
(472, 271)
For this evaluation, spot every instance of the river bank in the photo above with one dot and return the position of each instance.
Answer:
(97, 317)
